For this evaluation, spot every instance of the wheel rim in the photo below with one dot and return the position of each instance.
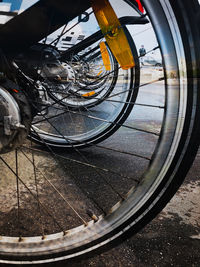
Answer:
(80, 240)
(95, 79)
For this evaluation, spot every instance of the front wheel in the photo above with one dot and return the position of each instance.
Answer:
(107, 191)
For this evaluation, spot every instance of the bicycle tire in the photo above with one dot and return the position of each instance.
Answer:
(132, 81)
(177, 32)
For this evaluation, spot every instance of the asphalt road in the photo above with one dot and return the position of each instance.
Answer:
(171, 239)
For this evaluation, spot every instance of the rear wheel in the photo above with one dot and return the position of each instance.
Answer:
(93, 81)
(68, 205)
(92, 108)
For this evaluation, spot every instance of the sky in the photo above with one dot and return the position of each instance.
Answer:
(28, 3)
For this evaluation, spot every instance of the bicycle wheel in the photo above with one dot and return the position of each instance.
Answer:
(93, 81)
(87, 121)
(89, 199)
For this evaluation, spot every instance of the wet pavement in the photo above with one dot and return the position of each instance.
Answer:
(171, 239)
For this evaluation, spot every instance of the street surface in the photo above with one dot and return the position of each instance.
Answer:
(171, 239)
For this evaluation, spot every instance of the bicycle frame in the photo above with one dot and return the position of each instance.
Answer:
(25, 30)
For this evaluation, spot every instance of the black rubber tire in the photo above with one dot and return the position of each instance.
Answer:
(171, 165)
(186, 17)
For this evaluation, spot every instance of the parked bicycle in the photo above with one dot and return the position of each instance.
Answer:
(90, 149)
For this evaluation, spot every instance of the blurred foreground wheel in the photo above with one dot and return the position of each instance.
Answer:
(98, 197)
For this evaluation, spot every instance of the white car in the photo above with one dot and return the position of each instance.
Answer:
(150, 61)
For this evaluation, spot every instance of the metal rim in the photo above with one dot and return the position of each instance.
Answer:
(176, 104)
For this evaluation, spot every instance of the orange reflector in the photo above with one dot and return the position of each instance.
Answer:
(105, 56)
(99, 73)
(89, 94)
(113, 32)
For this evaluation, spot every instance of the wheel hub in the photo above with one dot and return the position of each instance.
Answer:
(13, 125)
(57, 71)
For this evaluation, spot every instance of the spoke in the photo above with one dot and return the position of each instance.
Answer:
(77, 91)
(104, 76)
(88, 112)
(149, 106)
(91, 165)
(149, 51)
(97, 119)
(96, 145)
(88, 165)
(34, 196)
(54, 187)
(122, 152)
(86, 160)
(58, 39)
(55, 156)
(101, 169)
(128, 90)
(138, 33)
(52, 117)
(124, 102)
(106, 100)
(113, 101)
(142, 85)
(95, 168)
(64, 32)
(37, 191)
(18, 196)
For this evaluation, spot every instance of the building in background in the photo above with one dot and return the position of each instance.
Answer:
(15, 4)
(9, 9)
(70, 38)
(5, 14)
